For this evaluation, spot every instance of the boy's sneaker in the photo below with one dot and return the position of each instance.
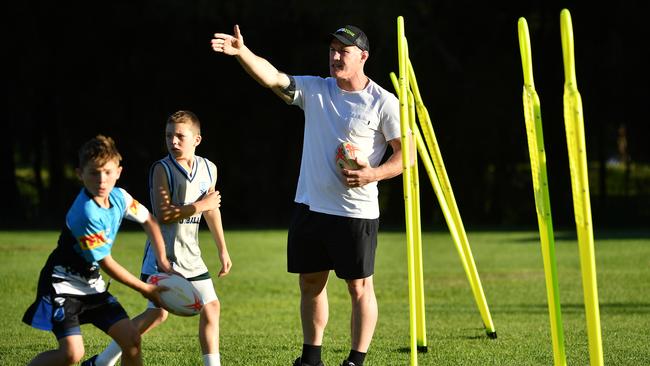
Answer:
(348, 363)
(298, 362)
(90, 361)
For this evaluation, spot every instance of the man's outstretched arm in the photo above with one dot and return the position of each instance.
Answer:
(257, 67)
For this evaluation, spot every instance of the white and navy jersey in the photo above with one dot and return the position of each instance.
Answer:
(88, 237)
(182, 237)
(368, 118)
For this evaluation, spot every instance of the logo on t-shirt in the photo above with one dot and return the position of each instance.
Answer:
(134, 207)
(203, 187)
(93, 241)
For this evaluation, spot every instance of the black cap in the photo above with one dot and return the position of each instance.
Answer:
(350, 35)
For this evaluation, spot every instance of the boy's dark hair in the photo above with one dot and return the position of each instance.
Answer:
(98, 150)
(186, 117)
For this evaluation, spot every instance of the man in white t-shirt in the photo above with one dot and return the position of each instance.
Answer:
(335, 223)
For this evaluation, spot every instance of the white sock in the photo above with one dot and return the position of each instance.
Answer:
(109, 356)
(213, 359)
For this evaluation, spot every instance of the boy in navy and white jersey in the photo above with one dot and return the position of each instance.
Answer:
(71, 290)
(182, 188)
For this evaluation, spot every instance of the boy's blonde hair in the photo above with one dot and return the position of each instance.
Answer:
(98, 150)
(186, 117)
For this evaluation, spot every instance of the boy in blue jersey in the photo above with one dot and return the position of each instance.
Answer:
(182, 188)
(71, 290)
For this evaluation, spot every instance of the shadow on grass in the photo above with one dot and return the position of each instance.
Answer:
(607, 308)
(568, 235)
(625, 308)
(408, 350)
(476, 333)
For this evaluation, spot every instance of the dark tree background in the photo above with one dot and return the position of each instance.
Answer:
(74, 69)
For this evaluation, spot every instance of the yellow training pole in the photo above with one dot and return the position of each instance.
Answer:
(463, 243)
(435, 183)
(421, 333)
(574, 125)
(533, 118)
(421, 336)
(406, 176)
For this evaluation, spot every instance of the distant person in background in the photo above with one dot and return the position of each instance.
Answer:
(336, 218)
(182, 189)
(621, 143)
(71, 290)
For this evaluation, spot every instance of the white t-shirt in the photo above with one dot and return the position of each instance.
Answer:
(368, 118)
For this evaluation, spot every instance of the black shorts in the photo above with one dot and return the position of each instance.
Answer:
(64, 314)
(321, 242)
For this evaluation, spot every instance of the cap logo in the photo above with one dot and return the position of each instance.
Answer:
(347, 31)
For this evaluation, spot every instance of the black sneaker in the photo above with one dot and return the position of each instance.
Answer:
(348, 363)
(298, 362)
(90, 361)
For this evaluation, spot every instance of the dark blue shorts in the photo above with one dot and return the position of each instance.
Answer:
(320, 242)
(63, 314)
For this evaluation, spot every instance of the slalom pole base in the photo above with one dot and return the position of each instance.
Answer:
(491, 335)
(423, 349)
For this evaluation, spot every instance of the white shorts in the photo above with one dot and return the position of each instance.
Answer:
(205, 288)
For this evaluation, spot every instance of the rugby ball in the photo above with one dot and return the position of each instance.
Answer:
(346, 155)
(181, 298)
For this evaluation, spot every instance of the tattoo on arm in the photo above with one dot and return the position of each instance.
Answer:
(290, 90)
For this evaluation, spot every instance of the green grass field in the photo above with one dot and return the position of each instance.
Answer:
(260, 323)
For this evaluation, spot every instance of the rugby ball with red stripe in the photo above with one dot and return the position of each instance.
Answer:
(346, 155)
(182, 298)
